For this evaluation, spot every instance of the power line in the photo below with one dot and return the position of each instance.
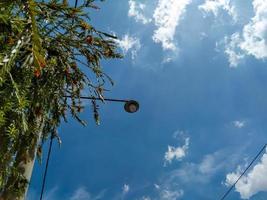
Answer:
(250, 164)
(76, 3)
(50, 148)
(46, 165)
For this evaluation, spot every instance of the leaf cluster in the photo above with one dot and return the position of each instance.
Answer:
(50, 55)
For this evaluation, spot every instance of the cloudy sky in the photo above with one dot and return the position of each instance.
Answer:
(198, 69)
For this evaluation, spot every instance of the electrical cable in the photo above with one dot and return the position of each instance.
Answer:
(247, 168)
(46, 165)
(49, 150)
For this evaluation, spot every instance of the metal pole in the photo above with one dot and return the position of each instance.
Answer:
(105, 99)
(26, 167)
(130, 106)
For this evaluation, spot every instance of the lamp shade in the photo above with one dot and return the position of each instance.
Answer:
(131, 106)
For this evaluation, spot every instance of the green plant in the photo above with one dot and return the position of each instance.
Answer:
(48, 50)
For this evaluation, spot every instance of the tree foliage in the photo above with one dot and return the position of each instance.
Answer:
(48, 51)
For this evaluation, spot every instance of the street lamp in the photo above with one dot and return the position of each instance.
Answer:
(130, 106)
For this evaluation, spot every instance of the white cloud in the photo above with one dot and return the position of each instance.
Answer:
(171, 194)
(208, 164)
(156, 186)
(214, 6)
(168, 190)
(146, 198)
(171, 184)
(239, 124)
(232, 51)
(81, 194)
(200, 173)
(255, 32)
(51, 194)
(125, 189)
(123, 193)
(203, 35)
(179, 134)
(176, 153)
(136, 11)
(167, 16)
(129, 43)
(252, 40)
(252, 183)
(203, 171)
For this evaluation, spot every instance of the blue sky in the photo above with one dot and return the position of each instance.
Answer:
(198, 69)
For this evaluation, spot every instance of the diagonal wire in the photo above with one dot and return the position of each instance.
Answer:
(46, 165)
(49, 150)
(76, 3)
(247, 168)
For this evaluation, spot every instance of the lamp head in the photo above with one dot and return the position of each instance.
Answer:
(131, 106)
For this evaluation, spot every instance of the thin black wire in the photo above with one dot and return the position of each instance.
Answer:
(76, 3)
(49, 150)
(46, 165)
(250, 164)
